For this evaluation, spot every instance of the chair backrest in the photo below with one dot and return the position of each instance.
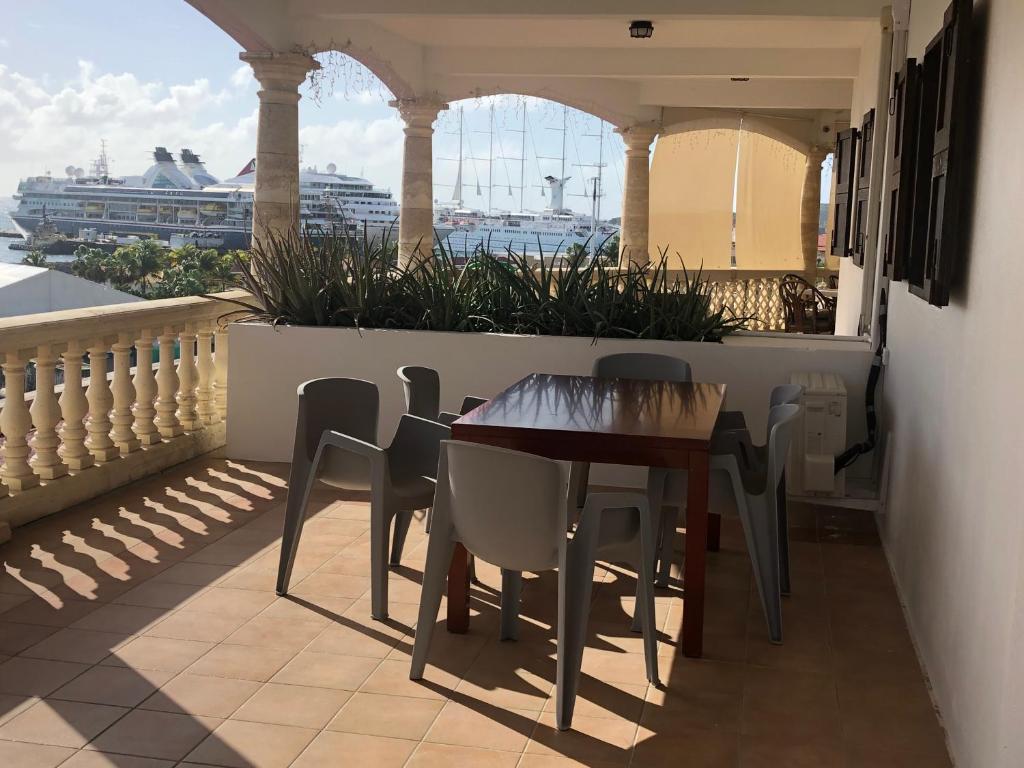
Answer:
(422, 391)
(785, 394)
(349, 406)
(507, 507)
(642, 365)
(781, 421)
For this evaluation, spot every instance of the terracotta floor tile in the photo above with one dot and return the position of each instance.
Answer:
(198, 695)
(297, 705)
(83, 646)
(789, 703)
(669, 708)
(559, 761)
(129, 619)
(13, 704)
(196, 574)
(239, 603)
(204, 627)
(60, 723)
(117, 686)
(479, 725)
(158, 653)
(614, 701)
(333, 585)
(237, 744)
(90, 759)
(63, 613)
(402, 717)
(15, 754)
(241, 662)
(14, 638)
(808, 752)
(326, 670)
(159, 594)
(700, 748)
(444, 755)
(374, 640)
(591, 738)
(893, 715)
(286, 634)
(358, 749)
(36, 677)
(155, 734)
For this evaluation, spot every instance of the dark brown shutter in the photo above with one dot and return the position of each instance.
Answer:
(843, 166)
(946, 75)
(899, 190)
(860, 213)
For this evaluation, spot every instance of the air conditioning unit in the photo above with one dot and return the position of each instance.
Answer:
(819, 437)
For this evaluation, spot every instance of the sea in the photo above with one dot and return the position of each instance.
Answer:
(6, 254)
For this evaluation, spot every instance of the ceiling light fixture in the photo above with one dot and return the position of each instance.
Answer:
(641, 29)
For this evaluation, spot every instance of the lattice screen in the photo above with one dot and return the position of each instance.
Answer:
(756, 298)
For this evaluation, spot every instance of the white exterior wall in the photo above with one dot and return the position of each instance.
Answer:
(954, 526)
(267, 366)
(47, 290)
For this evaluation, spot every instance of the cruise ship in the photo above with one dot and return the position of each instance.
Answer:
(173, 201)
(550, 232)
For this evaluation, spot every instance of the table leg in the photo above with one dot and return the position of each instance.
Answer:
(458, 591)
(714, 532)
(696, 558)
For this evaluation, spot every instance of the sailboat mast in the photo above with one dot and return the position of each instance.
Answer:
(599, 191)
(522, 164)
(457, 197)
(490, 164)
(565, 118)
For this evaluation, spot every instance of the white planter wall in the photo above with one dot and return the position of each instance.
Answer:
(267, 365)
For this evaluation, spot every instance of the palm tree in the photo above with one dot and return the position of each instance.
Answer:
(148, 259)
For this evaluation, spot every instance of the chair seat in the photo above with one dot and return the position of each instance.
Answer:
(730, 421)
(413, 487)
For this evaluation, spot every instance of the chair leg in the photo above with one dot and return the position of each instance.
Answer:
(435, 575)
(579, 480)
(403, 520)
(380, 520)
(667, 535)
(761, 534)
(645, 599)
(657, 479)
(784, 584)
(575, 586)
(511, 591)
(300, 485)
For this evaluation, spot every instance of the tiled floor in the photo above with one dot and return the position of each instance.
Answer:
(141, 630)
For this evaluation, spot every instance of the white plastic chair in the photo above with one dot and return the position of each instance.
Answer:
(422, 387)
(669, 487)
(511, 509)
(336, 443)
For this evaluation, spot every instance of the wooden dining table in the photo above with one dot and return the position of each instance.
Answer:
(609, 421)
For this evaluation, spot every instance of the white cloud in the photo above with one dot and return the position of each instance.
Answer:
(242, 77)
(4, 43)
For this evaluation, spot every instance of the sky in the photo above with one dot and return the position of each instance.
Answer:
(156, 72)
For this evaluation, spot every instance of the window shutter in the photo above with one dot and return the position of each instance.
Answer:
(947, 64)
(846, 148)
(899, 190)
(860, 216)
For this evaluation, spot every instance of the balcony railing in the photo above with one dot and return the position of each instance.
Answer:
(65, 443)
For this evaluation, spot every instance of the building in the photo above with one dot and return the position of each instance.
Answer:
(26, 290)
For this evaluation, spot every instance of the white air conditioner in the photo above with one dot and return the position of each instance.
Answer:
(819, 437)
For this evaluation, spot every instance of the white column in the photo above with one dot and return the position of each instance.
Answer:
(145, 391)
(636, 203)
(15, 423)
(187, 383)
(276, 198)
(220, 374)
(810, 209)
(73, 408)
(416, 222)
(121, 417)
(166, 387)
(101, 400)
(204, 365)
(45, 412)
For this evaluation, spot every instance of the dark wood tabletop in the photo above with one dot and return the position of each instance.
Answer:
(612, 421)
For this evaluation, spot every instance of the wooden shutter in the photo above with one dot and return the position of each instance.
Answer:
(899, 190)
(842, 167)
(947, 73)
(860, 214)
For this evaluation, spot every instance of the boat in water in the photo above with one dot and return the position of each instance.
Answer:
(184, 202)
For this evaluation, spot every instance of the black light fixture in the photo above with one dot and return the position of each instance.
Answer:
(641, 29)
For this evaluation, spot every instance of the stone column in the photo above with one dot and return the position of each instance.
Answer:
(276, 200)
(636, 203)
(416, 222)
(810, 208)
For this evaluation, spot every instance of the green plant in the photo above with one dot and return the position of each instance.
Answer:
(35, 258)
(335, 280)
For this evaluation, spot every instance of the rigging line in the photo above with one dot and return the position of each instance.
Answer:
(504, 162)
(536, 155)
(472, 160)
(579, 160)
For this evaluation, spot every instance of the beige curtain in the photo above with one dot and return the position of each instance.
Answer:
(692, 178)
(768, 196)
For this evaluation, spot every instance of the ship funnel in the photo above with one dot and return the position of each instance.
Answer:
(557, 187)
(195, 169)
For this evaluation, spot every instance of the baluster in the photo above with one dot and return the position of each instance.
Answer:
(204, 364)
(45, 412)
(101, 400)
(73, 407)
(220, 374)
(187, 382)
(166, 387)
(145, 391)
(15, 422)
(121, 417)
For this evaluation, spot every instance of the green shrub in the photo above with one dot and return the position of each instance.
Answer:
(334, 280)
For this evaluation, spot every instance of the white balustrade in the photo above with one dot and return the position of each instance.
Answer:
(63, 431)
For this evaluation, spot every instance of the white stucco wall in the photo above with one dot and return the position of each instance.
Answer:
(954, 525)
